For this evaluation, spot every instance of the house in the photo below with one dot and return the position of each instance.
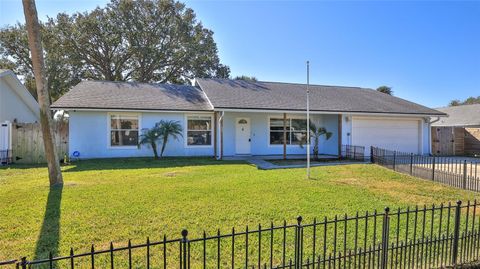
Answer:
(460, 116)
(16, 105)
(16, 102)
(459, 133)
(222, 117)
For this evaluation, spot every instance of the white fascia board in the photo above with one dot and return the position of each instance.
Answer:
(328, 112)
(132, 110)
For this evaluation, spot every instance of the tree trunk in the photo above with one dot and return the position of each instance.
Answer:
(165, 139)
(315, 149)
(154, 147)
(35, 45)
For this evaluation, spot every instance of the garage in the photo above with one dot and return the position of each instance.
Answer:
(394, 134)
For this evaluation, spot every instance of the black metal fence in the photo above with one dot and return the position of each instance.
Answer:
(352, 152)
(451, 171)
(420, 237)
(5, 156)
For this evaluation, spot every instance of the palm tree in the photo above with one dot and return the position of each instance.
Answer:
(169, 128)
(150, 137)
(38, 64)
(315, 134)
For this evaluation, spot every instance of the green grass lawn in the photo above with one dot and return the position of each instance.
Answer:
(117, 200)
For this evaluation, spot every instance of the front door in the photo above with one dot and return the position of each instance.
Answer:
(242, 136)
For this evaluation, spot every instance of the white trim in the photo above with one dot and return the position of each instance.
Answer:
(185, 132)
(236, 138)
(420, 136)
(208, 99)
(132, 110)
(331, 112)
(251, 111)
(109, 130)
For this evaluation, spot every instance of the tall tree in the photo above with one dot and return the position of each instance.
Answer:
(38, 64)
(385, 89)
(62, 72)
(145, 40)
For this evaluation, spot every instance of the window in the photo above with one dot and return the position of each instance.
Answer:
(296, 131)
(123, 130)
(199, 131)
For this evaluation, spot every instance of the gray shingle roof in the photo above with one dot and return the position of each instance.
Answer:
(239, 94)
(134, 96)
(233, 94)
(466, 115)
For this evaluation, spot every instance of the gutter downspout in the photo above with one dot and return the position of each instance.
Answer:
(220, 127)
(430, 134)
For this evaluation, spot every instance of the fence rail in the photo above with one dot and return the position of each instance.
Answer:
(353, 152)
(455, 172)
(434, 236)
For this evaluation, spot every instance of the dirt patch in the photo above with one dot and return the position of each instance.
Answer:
(399, 190)
(171, 174)
(349, 181)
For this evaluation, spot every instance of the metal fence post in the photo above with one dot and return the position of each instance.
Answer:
(385, 235)
(298, 243)
(411, 163)
(465, 174)
(23, 263)
(184, 255)
(372, 160)
(394, 159)
(456, 233)
(433, 169)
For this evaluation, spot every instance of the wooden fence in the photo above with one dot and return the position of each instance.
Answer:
(472, 141)
(27, 142)
(449, 141)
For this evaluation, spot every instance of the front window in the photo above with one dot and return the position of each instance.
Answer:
(199, 130)
(123, 130)
(296, 131)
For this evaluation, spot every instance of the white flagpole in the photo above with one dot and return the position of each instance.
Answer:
(308, 120)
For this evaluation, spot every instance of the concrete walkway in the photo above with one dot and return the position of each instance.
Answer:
(266, 165)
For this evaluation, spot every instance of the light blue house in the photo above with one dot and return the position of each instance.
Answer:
(222, 117)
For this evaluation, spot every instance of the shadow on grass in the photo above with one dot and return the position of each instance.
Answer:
(142, 163)
(49, 238)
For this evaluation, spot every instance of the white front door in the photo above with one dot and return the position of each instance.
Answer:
(242, 136)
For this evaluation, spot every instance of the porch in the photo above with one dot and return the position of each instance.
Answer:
(240, 135)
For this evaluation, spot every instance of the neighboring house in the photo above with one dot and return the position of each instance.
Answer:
(460, 116)
(223, 117)
(459, 133)
(16, 102)
(16, 105)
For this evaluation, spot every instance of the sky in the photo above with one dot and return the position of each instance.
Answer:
(427, 51)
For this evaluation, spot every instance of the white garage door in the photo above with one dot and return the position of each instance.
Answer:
(395, 134)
